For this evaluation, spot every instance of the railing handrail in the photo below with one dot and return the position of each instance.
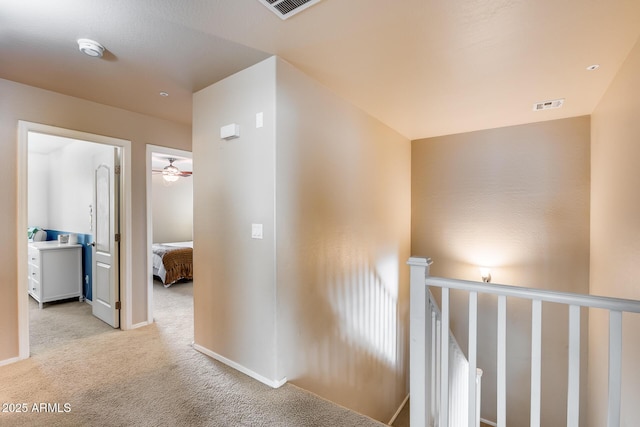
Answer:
(421, 331)
(592, 301)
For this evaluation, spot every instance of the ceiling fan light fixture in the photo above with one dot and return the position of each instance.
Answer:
(171, 173)
(170, 178)
(91, 48)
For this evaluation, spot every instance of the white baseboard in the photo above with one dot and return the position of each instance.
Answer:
(9, 361)
(491, 423)
(238, 367)
(404, 402)
(139, 325)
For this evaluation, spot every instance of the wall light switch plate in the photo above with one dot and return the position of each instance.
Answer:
(259, 120)
(256, 231)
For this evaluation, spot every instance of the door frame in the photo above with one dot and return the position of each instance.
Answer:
(150, 150)
(126, 313)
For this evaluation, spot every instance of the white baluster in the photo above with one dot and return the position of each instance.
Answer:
(444, 360)
(615, 367)
(434, 366)
(573, 394)
(473, 350)
(536, 360)
(502, 361)
(438, 369)
(478, 395)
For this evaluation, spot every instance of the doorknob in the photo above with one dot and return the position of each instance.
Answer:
(92, 244)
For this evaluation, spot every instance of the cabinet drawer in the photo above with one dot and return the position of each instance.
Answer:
(34, 257)
(34, 287)
(34, 272)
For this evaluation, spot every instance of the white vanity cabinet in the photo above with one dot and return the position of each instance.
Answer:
(55, 271)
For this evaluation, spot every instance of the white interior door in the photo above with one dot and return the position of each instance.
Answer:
(106, 245)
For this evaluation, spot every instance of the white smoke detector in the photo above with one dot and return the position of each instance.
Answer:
(91, 48)
(548, 105)
(287, 8)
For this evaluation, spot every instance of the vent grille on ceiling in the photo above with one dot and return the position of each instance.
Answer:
(548, 105)
(287, 8)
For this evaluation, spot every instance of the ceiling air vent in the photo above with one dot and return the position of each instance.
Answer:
(287, 8)
(548, 105)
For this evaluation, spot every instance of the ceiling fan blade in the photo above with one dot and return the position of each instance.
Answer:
(172, 170)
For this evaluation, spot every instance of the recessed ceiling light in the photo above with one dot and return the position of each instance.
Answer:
(593, 67)
(91, 48)
(164, 94)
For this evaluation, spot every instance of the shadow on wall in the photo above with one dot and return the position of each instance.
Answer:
(343, 231)
(355, 339)
(359, 353)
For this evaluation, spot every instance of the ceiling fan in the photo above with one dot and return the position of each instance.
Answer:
(171, 173)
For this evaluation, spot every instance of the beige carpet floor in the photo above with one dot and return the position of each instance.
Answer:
(87, 374)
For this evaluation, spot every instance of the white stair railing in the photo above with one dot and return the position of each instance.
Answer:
(429, 385)
(442, 356)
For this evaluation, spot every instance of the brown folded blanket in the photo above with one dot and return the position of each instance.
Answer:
(178, 262)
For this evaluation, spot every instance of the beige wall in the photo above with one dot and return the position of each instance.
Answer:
(515, 199)
(343, 219)
(323, 298)
(20, 102)
(615, 235)
(234, 187)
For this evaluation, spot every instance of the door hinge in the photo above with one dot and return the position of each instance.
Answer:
(117, 237)
(117, 170)
(117, 305)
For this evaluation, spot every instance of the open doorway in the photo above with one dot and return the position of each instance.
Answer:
(63, 181)
(170, 236)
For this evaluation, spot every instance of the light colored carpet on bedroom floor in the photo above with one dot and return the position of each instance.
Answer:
(150, 376)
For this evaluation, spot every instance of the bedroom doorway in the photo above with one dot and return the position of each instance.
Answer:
(62, 161)
(169, 233)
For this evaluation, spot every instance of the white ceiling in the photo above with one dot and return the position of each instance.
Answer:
(423, 67)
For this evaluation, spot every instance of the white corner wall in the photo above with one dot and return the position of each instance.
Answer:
(172, 206)
(70, 186)
(38, 199)
(61, 186)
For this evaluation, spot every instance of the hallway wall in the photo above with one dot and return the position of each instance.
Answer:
(22, 102)
(615, 236)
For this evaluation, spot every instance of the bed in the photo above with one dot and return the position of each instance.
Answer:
(173, 262)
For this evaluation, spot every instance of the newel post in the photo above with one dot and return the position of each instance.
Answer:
(419, 333)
